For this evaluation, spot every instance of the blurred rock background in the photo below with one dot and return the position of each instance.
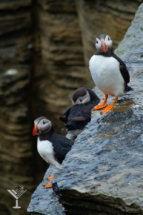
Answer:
(45, 46)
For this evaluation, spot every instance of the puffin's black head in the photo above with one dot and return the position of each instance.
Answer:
(80, 96)
(103, 43)
(42, 125)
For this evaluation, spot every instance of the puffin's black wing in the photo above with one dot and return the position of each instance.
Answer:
(61, 146)
(74, 123)
(123, 69)
(86, 110)
(80, 115)
(93, 96)
(78, 118)
(65, 115)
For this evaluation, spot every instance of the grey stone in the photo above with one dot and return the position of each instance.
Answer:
(45, 201)
(102, 174)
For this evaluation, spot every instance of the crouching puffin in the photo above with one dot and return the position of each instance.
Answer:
(108, 71)
(51, 146)
(77, 116)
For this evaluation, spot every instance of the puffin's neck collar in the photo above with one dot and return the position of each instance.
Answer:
(107, 54)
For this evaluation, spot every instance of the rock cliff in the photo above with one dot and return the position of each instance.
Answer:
(42, 49)
(102, 174)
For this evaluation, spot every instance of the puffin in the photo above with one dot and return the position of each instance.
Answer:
(78, 115)
(51, 146)
(109, 72)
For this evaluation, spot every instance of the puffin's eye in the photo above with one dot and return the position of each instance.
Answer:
(80, 100)
(43, 122)
(97, 41)
(108, 38)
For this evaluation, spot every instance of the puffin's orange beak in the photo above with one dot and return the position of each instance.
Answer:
(103, 46)
(34, 130)
(73, 104)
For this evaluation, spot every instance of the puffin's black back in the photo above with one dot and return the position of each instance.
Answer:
(61, 146)
(123, 69)
(93, 96)
(77, 116)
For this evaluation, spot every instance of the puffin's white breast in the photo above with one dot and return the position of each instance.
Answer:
(73, 133)
(46, 151)
(106, 75)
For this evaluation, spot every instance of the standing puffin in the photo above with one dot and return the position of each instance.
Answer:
(77, 116)
(108, 71)
(51, 146)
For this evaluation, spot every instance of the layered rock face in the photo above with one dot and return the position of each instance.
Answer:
(16, 166)
(61, 57)
(102, 174)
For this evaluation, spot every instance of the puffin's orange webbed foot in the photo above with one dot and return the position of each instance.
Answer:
(51, 177)
(48, 185)
(107, 109)
(97, 107)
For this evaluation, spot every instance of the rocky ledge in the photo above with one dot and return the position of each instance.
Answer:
(102, 174)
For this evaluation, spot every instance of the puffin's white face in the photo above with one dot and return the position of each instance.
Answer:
(44, 125)
(41, 125)
(98, 45)
(82, 99)
(104, 44)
